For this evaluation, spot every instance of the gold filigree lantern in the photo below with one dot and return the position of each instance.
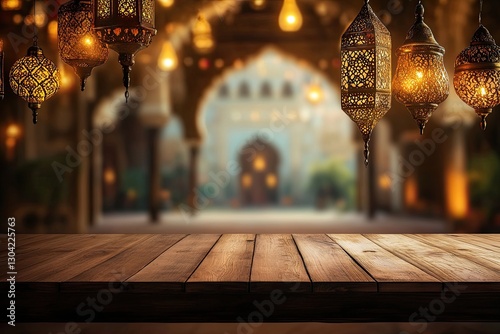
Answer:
(34, 78)
(127, 26)
(78, 44)
(421, 82)
(366, 72)
(477, 73)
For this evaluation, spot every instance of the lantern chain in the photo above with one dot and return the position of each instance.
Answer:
(480, 12)
(35, 28)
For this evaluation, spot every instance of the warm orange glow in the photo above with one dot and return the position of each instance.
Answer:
(203, 40)
(52, 29)
(258, 4)
(12, 4)
(13, 131)
(67, 79)
(87, 40)
(109, 176)
(246, 181)
(420, 75)
(385, 182)
(166, 3)
(314, 94)
(168, 60)
(483, 91)
(17, 19)
(411, 192)
(259, 163)
(271, 181)
(457, 203)
(290, 18)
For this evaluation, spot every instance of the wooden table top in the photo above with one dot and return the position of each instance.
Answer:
(219, 276)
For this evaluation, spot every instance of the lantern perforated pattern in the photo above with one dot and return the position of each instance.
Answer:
(79, 47)
(34, 78)
(421, 82)
(103, 9)
(366, 72)
(477, 74)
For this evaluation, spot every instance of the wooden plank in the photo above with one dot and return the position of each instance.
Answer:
(448, 267)
(277, 264)
(41, 251)
(59, 269)
(392, 273)
(171, 270)
(478, 240)
(330, 268)
(227, 267)
(474, 253)
(122, 266)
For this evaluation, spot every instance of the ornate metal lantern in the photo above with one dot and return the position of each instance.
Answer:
(421, 82)
(79, 47)
(34, 78)
(2, 84)
(477, 73)
(366, 72)
(127, 26)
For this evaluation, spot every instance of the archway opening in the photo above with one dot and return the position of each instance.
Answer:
(290, 112)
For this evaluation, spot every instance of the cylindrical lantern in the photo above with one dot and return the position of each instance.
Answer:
(34, 78)
(477, 74)
(366, 72)
(421, 82)
(79, 47)
(127, 26)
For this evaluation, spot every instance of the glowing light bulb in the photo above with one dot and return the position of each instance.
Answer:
(87, 40)
(483, 91)
(52, 29)
(290, 18)
(168, 60)
(166, 3)
(314, 94)
(420, 75)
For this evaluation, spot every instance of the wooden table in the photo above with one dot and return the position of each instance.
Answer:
(255, 278)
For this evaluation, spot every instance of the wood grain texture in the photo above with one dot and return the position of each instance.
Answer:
(227, 267)
(391, 272)
(171, 270)
(448, 267)
(277, 264)
(123, 265)
(331, 269)
(482, 256)
(477, 240)
(60, 267)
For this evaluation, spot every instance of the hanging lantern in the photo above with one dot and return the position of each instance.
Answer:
(127, 26)
(2, 84)
(168, 61)
(421, 82)
(203, 40)
(366, 72)
(477, 73)
(290, 18)
(79, 47)
(34, 78)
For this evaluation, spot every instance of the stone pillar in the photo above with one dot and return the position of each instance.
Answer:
(194, 152)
